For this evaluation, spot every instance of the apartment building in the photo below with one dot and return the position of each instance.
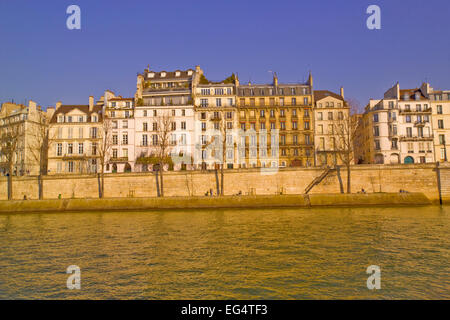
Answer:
(75, 137)
(29, 123)
(165, 94)
(399, 127)
(216, 123)
(119, 112)
(330, 109)
(278, 123)
(440, 106)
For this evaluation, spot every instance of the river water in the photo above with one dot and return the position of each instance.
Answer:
(228, 254)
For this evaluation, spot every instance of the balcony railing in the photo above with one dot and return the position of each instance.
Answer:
(118, 159)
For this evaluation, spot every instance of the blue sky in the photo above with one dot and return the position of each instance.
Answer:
(41, 59)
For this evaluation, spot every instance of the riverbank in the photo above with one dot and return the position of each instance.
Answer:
(265, 201)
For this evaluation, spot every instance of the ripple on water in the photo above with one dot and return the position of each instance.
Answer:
(228, 254)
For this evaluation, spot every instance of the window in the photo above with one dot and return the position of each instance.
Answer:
(173, 126)
(70, 148)
(441, 139)
(203, 102)
(144, 140)
(183, 125)
(125, 139)
(330, 115)
(70, 135)
(70, 166)
(341, 115)
(408, 119)
(94, 148)
(283, 125)
(155, 126)
(409, 132)
(113, 114)
(376, 131)
(59, 149)
(307, 139)
(80, 119)
(243, 126)
(262, 125)
(320, 129)
(203, 125)
(282, 114)
(144, 126)
(80, 133)
(94, 133)
(183, 112)
(441, 124)
(439, 109)
(114, 153)
(320, 116)
(272, 113)
(144, 113)
(294, 113)
(80, 148)
(125, 124)
(306, 113)
(306, 125)
(155, 139)
(115, 139)
(375, 117)
(294, 125)
(377, 145)
(305, 101)
(272, 126)
(60, 118)
(295, 139)
(218, 91)
(262, 114)
(281, 101)
(294, 101)
(69, 119)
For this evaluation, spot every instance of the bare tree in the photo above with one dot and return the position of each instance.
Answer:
(220, 143)
(346, 127)
(39, 144)
(103, 150)
(163, 146)
(10, 140)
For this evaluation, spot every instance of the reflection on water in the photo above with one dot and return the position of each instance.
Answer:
(228, 254)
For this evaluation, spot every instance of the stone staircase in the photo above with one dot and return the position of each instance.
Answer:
(445, 182)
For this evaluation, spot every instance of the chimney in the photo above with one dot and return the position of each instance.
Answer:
(50, 112)
(91, 103)
(32, 106)
(58, 104)
(342, 92)
(275, 79)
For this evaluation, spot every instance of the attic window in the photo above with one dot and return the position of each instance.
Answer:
(151, 75)
(163, 74)
(190, 73)
(405, 96)
(417, 96)
(177, 74)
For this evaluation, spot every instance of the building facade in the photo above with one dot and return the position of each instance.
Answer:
(329, 109)
(75, 137)
(398, 127)
(159, 95)
(440, 106)
(29, 123)
(216, 124)
(120, 113)
(278, 123)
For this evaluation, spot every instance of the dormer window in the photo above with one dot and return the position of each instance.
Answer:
(60, 118)
(417, 96)
(94, 118)
(405, 96)
(151, 75)
(189, 72)
(177, 74)
(163, 74)
(113, 104)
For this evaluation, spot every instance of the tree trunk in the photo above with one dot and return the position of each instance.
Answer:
(348, 179)
(221, 180)
(217, 180)
(157, 183)
(341, 185)
(161, 169)
(99, 185)
(41, 187)
(10, 187)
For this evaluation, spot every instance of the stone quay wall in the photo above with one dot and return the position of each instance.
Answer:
(372, 178)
